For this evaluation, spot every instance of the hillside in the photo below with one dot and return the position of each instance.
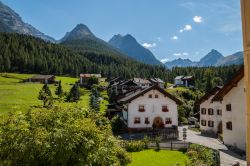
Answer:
(26, 54)
(129, 46)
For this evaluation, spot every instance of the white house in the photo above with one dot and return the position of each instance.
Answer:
(151, 107)
(232, 96)
(210, 112)
(178, 80)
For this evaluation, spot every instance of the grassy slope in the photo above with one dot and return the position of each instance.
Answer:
(15, 95)
(163, 157)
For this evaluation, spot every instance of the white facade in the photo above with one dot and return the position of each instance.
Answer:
(152, 110)
(236, 98)
(216, 117)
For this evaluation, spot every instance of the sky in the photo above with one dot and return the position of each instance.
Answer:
(171, 29)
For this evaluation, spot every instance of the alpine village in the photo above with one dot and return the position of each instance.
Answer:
(82, 100)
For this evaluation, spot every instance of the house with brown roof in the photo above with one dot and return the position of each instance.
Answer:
(148, 108)
(84, 77)
(232, 96)
(210, 112)
(45, 79)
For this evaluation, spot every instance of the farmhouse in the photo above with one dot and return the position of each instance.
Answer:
(187, 81)
(157, 81)
(45, 79)
(84, 77)
(232, 97)
(151, 107)
(142, 82)
(210, 113)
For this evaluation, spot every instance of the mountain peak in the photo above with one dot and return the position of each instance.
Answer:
(10, 21)
(81, 31)
(128, 45)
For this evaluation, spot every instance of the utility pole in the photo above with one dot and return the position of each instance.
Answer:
(245, 14)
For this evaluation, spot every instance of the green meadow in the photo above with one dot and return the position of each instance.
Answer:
(162, 157)
(16, 95)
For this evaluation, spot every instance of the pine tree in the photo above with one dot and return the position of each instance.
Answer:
(94, 99)
(59, 90)
(46, 96)
(74, 94)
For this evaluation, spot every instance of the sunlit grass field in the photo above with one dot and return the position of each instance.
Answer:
(16, 95)
(162, 157)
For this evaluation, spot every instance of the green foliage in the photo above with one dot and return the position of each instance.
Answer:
(69, 136)
(91, 81)
(201, 155)
(134, 145)
(94, 99)
(217, 81)
(59, 90)
(46, 96)
(74, 94)
(117, 124)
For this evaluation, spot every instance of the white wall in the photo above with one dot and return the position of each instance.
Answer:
(153, 108)
(216, 118)
(236, 136)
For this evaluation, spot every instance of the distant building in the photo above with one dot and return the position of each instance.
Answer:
(157, 81)
(84, 77)
(150, 107)
(45, 79)
(210, 113)
(187, 81)
(232, 96)
(142, 82)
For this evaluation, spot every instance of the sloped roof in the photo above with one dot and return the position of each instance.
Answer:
(141, 80)
(179, 77)
(188, 77)
(208, 95)
(90, 75)
(157, 80)
(42, 77)
(137, 94)
(229, 85)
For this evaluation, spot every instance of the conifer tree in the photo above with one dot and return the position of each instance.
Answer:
(74, 94)
(46, 96)
(59, 90)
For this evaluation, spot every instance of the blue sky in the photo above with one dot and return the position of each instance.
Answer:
(171, 29)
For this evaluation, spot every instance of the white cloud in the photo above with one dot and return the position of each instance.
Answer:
(198, 19)
(175, 38)
(177, 54)
(185, 53)
(186, 28)
(164, 60)
(149, 45)
(180, 54)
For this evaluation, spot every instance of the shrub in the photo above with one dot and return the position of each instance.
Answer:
(59, 136)
(134, 145)
(201, 155)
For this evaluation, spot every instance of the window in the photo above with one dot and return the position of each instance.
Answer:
(203, 111)
(203, 122)
(150, 96)
(210, 111)
(228, 107)
(147, 120)
(219, 112)
(229, 125)
(168, 121)
(156, 96)
(137, 120)
(165, 108)
(211, 123)
(141, 108)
